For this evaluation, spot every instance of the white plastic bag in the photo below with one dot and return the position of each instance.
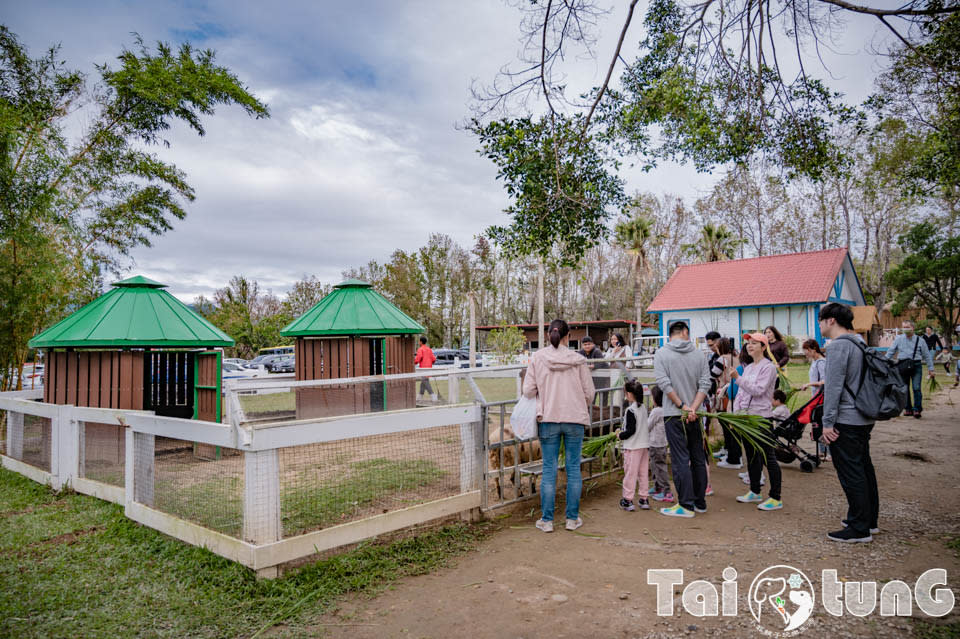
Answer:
(523, 419)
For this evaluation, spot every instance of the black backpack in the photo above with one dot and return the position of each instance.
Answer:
(882, 393)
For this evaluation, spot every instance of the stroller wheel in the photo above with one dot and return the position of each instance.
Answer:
(806, 466)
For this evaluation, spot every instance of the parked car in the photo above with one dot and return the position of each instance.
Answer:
(282, 365)
(261, 361)
(446, 357)
(235, 360)
(232, 370)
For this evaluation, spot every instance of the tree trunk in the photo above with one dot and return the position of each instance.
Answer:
(638, 294)
(540, 342)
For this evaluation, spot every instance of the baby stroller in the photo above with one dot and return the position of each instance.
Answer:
(788, 432)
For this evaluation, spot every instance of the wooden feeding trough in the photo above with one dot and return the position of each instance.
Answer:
(353, 332)
(137, 347)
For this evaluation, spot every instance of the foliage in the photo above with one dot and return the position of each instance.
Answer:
(304, 295)
(716, 243)
(561, 185)
(506, 343)
(72, 205)
(923, 87)
(793, 344)
(929, 275)
(251, 317)
(635, 235)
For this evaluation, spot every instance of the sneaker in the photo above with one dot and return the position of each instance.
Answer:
(657, 496)
(720, 453)
(873, 531)
(699, 509)
(746, 480)
(644, 504)
(573, 524)
(907, 413)
(744, 475)
(627, 505)
(916, 415)
(545, 526)
(725, 464)
(709, 491)
(750, 498)
(770, 504)
(849, 536)
(669, 498)
(676, 511)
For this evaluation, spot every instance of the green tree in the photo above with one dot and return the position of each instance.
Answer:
(563, 188)
(252, 317)
(929, 275)
(72, 206)
(304, 294)
(716, 243)
(634, 235)
(506, 343)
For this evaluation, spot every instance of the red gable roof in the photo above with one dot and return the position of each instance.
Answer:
(794, 278)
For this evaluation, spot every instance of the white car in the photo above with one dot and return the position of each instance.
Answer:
(235, 371)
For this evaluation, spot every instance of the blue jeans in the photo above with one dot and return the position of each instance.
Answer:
(917, 382)
(551, 434)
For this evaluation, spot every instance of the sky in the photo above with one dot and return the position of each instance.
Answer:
(362, 154)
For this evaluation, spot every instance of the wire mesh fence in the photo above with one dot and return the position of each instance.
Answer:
(103, 453)
(270, 402)
(200, 483)
(326, 484)
(28, 438)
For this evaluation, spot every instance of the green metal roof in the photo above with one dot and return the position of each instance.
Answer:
(137, 312)
(353, 308)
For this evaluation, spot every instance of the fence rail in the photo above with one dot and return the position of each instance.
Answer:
(264, 493)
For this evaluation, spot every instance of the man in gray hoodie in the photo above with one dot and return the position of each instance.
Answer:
(683, 375)
(845, 428)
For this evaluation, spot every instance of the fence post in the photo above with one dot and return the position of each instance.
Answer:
(139, 475)
(15, 435)
(65, 447)
(261, 497)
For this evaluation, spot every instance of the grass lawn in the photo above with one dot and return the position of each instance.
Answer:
(74, 566)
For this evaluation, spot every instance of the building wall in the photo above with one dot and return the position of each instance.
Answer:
(798, 320)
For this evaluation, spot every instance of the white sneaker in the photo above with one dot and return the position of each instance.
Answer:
(743, 475)
(720, 454)
(573, 524)
(746, 479)
(723, 463)
(545, 526)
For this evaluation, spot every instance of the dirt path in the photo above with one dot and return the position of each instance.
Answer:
(523, 583)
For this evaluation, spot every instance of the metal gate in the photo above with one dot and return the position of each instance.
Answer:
(169, 380)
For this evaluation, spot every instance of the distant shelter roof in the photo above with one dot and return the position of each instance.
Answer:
(353, 308)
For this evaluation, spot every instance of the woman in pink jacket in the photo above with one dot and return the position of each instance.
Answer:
(755, 397)
(559, 379)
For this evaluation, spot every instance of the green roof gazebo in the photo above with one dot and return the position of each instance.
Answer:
(353, 332)
(136, 347)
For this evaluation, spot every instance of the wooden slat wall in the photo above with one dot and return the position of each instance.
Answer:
(101, 379)
(208, 374)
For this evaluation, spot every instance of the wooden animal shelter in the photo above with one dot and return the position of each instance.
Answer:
(353, 332)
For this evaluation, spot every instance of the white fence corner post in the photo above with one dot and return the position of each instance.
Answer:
(15, 435)
(261, 496)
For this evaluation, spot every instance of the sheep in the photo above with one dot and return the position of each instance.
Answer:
(529, 451)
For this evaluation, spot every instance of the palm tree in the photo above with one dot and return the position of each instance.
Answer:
(634, 235)
(716, 243)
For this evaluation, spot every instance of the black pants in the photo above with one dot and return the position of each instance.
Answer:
(756, 460)
(732, 446)
(851, 458)
(688, 460)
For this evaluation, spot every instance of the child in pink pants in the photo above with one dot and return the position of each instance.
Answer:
(635, 437)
